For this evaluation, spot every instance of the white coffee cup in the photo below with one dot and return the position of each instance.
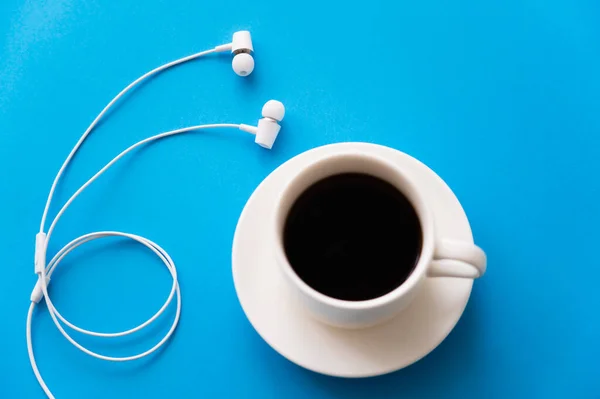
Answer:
(438, 257)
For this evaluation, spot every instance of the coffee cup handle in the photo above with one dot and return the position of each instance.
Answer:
(457, 259)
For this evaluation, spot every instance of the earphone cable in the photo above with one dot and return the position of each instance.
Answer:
(44, 271)
(104, 111)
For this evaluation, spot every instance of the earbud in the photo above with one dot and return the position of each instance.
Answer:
(268, 127)
(241, 48)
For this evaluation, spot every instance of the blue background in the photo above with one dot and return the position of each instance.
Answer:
(500, 97)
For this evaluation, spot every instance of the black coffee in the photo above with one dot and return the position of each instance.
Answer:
(353, 237)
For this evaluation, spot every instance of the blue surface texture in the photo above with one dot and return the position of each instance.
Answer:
(501, 98)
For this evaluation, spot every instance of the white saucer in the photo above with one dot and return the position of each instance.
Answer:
(334, 351)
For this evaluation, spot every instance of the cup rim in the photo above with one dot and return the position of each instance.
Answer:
(423, 213)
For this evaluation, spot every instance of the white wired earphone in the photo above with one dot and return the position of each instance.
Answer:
(265, 134)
